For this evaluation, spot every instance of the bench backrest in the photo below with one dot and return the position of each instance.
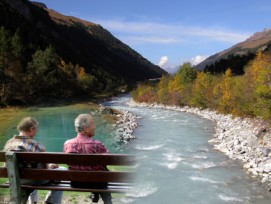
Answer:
(14, 173)
(75, 159)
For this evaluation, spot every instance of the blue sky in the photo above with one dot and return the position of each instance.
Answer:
(172, 32)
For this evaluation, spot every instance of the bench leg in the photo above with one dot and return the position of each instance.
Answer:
(14, 178)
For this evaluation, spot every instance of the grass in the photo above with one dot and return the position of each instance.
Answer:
(8, 117)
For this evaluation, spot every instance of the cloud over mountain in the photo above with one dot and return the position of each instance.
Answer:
(163, 61)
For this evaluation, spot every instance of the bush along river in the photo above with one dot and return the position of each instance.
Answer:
(177, 164)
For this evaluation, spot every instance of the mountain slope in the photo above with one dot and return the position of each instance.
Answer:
(238, 55)
(77, 41)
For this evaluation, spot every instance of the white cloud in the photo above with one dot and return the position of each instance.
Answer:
(166, 33)
(197, 59)
(149, 39)
(163, 61)
(173, 38)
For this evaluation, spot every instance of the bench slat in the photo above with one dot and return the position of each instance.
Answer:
(76, 159)
(113, 188)
(67, 187)
(90, 176)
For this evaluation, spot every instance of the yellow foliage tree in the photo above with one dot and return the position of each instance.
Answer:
(223, 91)
(259, 73)
(144, 93)
(202, 90)
(175, 89)
(163, 95)
(86, 81)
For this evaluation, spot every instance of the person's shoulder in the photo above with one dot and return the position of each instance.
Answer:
(97, 142)
(10, 140)
(100, 147)
(32, 141)
(70, 140)
(37, 146)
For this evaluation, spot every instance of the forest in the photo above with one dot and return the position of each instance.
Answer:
(240, 95)
(46, 57)
(45, 77)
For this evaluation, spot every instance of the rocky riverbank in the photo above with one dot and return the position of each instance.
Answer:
(126, 122)
(245, 139)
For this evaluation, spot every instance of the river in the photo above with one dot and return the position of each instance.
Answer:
(178, 165)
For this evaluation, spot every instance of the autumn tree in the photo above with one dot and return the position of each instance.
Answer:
(163, 95)
(144, 93)
(187, 73)
(202, 90)
(242, 97)
(258, 73)
(86, 81)
(180, 86)
(223, 92)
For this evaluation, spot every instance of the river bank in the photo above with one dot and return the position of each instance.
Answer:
(244, 139)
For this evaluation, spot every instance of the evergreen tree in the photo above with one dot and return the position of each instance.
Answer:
(43, 74)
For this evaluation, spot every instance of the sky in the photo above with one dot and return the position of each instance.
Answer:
(170, 33)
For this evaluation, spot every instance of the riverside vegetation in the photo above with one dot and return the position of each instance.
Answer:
(240, 106)
(244, 95)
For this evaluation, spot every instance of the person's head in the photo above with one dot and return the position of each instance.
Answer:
(28, 126)
(84, 124)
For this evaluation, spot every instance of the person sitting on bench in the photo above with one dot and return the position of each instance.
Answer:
(84, 144)
(24, 142)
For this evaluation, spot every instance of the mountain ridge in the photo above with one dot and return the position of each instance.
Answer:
(80, 42)
(60, 57)
(243, 52)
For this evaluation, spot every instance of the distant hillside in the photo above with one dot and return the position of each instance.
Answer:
(46, 56)
(239, 55)
(76, 41)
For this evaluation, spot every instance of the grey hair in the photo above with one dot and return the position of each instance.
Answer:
(26, 123)
(82, 120)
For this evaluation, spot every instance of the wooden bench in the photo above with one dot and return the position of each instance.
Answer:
(118, 181)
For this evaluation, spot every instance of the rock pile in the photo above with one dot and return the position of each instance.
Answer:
(245, 139)
(126, 123)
